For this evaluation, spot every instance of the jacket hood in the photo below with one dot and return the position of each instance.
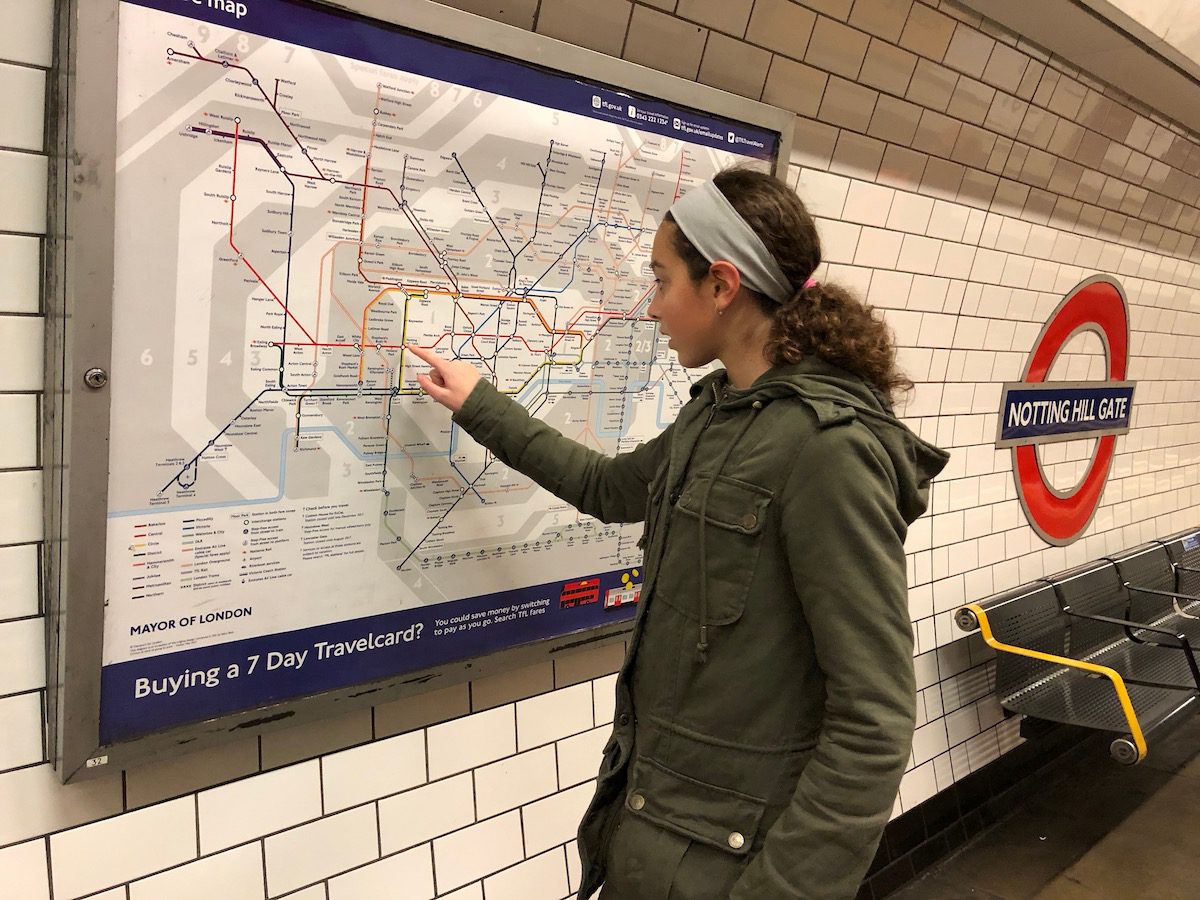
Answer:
(835, 397)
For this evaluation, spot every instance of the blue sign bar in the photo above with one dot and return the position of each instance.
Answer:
(1036, 414)
(144, 695)
(343, 34)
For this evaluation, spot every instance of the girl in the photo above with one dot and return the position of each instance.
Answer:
(765, 709)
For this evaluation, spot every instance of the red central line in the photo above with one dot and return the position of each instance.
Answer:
(237, 128)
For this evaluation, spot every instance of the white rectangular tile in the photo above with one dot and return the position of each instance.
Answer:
(604, 698)
(22, 655)
(21, 351)
(470, 892)
(919, 254)
(867, 203)
(233, 875)
(542, 878)
(426, 812)
(313, 852)
(911, 212)
(405, 876)
(511, 782)
(472, 741)
(823, 193)
(20, 273)
(20, 506)
(839, 240)
(49, 806)
(555, 820)
(18, 431)
(544, 719)
(478, 851)
(24, 176)
(929, 741)
(258, 806)
(574, 866)
(21, 730)
(22, 107)
(878, 248)
(18, 581)
(24, 871)
(123, 848)
(366, 773)
(917, 786)
(579, 756)
(27, 36)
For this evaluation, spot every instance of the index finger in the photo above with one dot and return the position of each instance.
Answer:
(427, 355)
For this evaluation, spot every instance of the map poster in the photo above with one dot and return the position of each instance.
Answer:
(299, 194)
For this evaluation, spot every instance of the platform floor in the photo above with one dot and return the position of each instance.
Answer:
(1095, 830)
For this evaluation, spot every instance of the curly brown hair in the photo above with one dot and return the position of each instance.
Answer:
(823, 320)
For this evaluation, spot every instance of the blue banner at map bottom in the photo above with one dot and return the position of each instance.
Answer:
(144, 695)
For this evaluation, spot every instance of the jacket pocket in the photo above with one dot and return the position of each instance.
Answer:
(734, 517)
(712, 815)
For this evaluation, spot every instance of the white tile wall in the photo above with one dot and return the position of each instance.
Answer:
(313, 852)
(22, 107)
(549, 717)
(18, 445)
(232, 875)
(479, 850)
(259, 806)
(123, 848)
(376, 770)
(540, 878)
(20, 273)
(1016, 183)
(24, 177)
(471, 741)
(405, 876)
(20, 506)
(20, 369)
(579, 756)
(512, 782)
(554, 820)
(22, 656)
(20, 730)
(26, 874)
(425, 813)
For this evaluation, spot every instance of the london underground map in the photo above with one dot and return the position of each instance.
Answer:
(299, 195)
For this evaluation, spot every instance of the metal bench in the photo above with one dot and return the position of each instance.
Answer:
(1155, 594)
(1071, 652)
(1184, 550)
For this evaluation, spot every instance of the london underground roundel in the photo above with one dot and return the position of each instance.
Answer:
(1036, 411)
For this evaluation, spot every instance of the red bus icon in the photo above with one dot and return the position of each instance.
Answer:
(577, 593)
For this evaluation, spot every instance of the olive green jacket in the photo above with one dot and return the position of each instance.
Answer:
(766, 704)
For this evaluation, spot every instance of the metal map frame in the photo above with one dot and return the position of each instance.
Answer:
(76, 413)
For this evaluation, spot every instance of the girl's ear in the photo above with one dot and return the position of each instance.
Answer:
(726, 280)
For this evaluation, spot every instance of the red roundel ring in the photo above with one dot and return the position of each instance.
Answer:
(1094, 305)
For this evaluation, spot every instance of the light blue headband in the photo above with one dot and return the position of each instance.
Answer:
(715, 229)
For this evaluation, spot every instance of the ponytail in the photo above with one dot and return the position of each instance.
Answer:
(821, 319)
(827, 321)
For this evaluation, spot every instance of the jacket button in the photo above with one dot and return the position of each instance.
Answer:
(736, 841)
(636, 802)
(749, 520)
(623, 719)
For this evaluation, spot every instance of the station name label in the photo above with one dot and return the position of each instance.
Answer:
(1031, 414)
